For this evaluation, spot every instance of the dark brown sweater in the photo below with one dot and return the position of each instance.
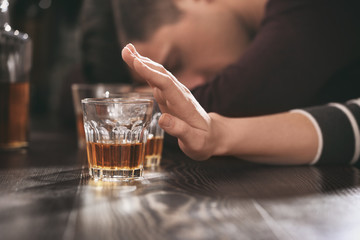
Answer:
(306, 52)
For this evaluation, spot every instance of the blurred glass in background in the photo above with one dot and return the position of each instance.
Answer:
(15, 65)
(73, 42)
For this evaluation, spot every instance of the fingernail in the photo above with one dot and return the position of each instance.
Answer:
(166, 121)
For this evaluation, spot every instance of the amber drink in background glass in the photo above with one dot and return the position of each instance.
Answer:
(14, 115)
(100, 90)
(116, 133)
(155, 141)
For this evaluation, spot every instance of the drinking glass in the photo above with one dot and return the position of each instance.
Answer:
(116, 134)
(100, 90)
(15, 65)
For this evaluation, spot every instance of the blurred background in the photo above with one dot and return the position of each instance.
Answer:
(73, 41)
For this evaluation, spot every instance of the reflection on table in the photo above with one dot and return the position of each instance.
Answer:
(46, 192)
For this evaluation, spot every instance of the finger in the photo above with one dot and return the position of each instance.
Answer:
(128, 57)
(174, 126)
(158, 81)
(159, 68)
(147, 69)
(135, 52)
(131, 47)
(156, 75)
(172, 95)
(152, 75)
(160, 99)
(191, 140)
(182, 103)
(154, 65)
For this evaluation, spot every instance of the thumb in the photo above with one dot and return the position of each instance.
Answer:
(174, 126)
(192, 141)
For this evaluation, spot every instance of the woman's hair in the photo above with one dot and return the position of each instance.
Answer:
(101, 52)
(106, 26)
(137, 20)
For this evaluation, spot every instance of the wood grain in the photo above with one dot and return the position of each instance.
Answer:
(46, 193)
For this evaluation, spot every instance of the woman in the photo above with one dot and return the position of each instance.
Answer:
(324, 135)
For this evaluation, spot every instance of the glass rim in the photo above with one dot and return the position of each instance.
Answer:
(77, 86)
(116, 100)
(132, 95)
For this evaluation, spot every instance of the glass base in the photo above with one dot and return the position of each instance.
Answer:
(115, 174)
(152, 161)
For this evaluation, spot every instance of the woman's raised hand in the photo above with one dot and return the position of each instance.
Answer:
(182, 117)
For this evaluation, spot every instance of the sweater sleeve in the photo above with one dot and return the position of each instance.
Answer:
(337, 127)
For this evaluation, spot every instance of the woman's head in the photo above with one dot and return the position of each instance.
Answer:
(194, 39)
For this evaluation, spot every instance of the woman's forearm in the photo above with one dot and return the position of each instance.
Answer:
(286, 138)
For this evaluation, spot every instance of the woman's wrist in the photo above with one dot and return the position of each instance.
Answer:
(219, 135)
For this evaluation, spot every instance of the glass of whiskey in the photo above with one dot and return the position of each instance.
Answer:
(116, 131)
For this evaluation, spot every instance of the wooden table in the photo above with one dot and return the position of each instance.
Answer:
(46, 193)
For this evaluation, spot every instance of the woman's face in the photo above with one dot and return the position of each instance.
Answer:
(196, 48)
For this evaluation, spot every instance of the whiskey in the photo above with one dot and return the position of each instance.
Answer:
(154, 147)
(114, 156)
(14, 114)
(15, 64)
